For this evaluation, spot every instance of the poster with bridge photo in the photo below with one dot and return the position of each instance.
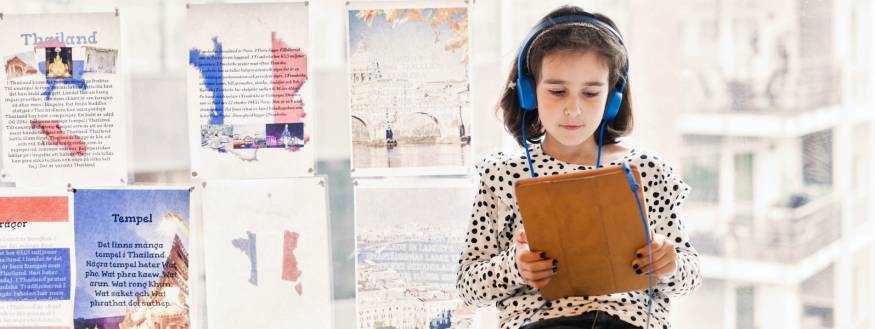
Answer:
(267, 245)
(409, 88)
(132, 258)
(407, 252)
(248, 91)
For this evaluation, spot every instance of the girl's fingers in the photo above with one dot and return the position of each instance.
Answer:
(538, 265)
(662, 262)
(643, 263)
(656, 244)
(668, 268)
(538, 275)
(540, 283)
(643, 258)
(531, 256)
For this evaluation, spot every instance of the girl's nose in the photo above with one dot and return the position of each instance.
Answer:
(573, 109)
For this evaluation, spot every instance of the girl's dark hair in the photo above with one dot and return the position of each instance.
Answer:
(568, 37)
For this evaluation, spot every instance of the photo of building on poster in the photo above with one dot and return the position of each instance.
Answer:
(407, 255)
(409, 87)
(62, 100)
(248, 90)
(36, 240)
(276, 261)
(132, 259)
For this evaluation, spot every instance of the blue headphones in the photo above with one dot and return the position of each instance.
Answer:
(525, 84)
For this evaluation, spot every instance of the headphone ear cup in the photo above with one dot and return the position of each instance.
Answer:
(525, 90)
(612, 108)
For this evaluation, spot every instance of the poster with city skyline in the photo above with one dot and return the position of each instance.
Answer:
(409, 88)
(132, 258)
(266, 243)
(407, 252)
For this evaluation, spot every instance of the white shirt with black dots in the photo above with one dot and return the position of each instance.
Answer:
(488, 274)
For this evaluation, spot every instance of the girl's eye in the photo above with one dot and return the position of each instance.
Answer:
(557, 92)
(593, 94)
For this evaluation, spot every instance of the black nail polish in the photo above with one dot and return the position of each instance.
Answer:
(543, 255)
(555, 268)
(639, 255)
(638, 271)
(635, 266)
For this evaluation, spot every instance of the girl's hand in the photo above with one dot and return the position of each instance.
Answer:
(535, 268)
(664, 257)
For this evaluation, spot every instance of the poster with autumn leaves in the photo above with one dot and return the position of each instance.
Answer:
(409, 89)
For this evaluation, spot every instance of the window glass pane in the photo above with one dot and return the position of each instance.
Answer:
(744, 177)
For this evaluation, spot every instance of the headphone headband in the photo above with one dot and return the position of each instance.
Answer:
(562, 20)
(553, 22)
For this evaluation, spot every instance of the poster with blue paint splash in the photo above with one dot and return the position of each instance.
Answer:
(61, 100)
(248, 91)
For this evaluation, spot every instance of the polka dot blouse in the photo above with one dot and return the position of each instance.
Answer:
(488, 274)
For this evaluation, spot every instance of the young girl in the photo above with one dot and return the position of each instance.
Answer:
(576, 62)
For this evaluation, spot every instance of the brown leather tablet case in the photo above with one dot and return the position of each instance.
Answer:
(590, 223)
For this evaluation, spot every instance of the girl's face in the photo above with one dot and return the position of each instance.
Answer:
(572, 91)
